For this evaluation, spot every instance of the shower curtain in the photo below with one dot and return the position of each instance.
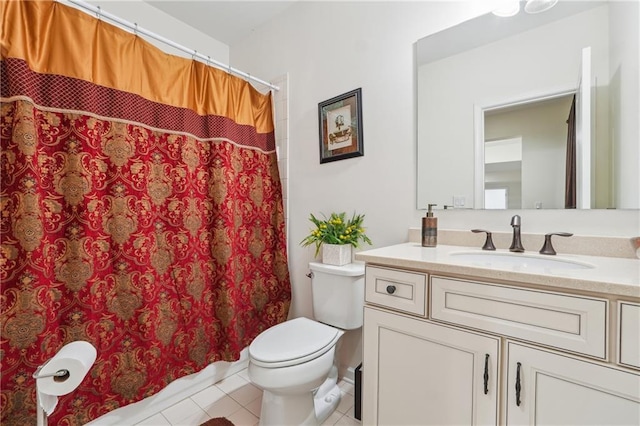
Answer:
(140, 210)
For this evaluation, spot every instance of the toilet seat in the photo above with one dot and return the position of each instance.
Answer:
(292, 342)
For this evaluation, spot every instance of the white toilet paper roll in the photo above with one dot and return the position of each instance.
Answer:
(71, 363)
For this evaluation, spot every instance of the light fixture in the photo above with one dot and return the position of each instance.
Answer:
(507, 8)
(537, 6)
(512, 7)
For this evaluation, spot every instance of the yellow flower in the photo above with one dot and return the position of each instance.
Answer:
(336, 230)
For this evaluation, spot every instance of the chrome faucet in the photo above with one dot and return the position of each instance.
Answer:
(516, 243)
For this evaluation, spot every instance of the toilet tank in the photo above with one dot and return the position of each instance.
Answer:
(338, 294)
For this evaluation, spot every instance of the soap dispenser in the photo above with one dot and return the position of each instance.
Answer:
(430, 228)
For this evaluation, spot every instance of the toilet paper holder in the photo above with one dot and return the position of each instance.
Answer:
(59, 373)
(67, 368)
(41, 415)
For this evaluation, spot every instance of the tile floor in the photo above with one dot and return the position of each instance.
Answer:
(239, 401)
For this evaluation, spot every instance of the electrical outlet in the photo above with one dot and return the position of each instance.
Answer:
(459, 201)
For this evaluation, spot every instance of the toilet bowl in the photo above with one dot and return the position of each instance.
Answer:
(294, 362)
(307, 352)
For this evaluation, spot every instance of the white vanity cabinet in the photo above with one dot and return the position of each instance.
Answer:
(459, 360)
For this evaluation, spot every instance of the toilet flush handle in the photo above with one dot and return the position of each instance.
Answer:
(310, 274)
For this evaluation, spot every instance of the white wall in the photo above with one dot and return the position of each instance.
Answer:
(329, 48)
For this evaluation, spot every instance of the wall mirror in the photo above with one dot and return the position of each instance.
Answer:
(497, 125)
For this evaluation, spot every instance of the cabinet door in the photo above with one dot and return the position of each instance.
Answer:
(562, 390)
(419, 373)
(629, 333)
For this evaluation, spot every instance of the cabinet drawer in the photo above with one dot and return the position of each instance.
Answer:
(629, 333)
(404, 291)
(574, 323)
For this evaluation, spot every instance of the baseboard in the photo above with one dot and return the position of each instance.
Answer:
(349, 375)
(175, 392)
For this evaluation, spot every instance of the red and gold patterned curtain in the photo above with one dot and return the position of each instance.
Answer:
(141, 211)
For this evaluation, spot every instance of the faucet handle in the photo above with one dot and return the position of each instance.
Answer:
(547, 248)
(488, 244)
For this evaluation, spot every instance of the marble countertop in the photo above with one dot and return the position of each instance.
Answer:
(609, 276)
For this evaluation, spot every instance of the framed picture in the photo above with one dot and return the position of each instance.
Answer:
(340, 121)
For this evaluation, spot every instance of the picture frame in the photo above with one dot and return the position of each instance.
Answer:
(340, 125)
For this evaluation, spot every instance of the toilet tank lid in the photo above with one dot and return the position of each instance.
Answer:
(352, 269)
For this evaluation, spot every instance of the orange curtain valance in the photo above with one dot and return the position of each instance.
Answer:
(56, 39)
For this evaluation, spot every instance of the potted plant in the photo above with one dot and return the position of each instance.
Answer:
(336, 235)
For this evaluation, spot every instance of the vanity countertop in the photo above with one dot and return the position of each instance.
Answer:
(608, 276)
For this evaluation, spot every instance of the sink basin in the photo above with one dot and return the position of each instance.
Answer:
(517, 260)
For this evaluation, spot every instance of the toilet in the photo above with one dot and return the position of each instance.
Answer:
(294, 362)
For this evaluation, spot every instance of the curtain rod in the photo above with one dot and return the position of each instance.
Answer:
(136, 29)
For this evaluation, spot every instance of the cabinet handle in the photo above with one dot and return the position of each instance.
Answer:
(391, 289)
(518, 387)
(486, 374)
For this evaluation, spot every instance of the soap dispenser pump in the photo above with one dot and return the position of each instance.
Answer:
(430, 228)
